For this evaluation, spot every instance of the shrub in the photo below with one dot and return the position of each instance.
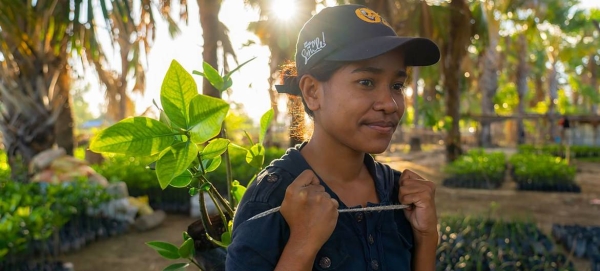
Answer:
(543, 172)
(477, 169)
(32, 212)
(560, 150)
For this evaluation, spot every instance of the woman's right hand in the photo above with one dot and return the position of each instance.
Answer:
(309, 211)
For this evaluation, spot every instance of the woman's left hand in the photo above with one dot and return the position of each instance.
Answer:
(420, 193)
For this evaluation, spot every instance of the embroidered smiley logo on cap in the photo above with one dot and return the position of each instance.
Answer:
(368, 15)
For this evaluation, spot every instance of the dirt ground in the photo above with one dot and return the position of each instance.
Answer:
(128, 252)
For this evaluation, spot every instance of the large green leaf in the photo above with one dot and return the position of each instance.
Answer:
(166, 250)
(177, 91)
(176, 267)
(265, 120)
(186, 250)
(206, 117)
(183, 180)
(137, 136)
(173, 161)
(215, 148)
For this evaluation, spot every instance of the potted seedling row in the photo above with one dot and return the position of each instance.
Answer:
(477, 169)
(543, 172)
(483, 244)
(580, 240)
(42, 220)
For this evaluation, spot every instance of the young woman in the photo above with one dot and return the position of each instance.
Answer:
(351, 67)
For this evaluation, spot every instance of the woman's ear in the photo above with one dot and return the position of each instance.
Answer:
(309, 87)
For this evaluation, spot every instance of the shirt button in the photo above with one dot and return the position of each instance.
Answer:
(325, 262)
(359, 217)
(374, 264)
(272, 178)
(371, 239)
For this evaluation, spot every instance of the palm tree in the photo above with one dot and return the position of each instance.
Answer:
(453, 51)
(280, 35)
(38, 42)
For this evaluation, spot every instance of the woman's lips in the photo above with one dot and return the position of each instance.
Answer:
(382, 127)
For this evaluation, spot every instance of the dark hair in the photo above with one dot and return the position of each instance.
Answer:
(296, 104)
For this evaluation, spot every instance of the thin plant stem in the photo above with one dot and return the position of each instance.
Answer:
(228, 170)
(195, 263)
(223, 218)
(204, 214)
(220, 199)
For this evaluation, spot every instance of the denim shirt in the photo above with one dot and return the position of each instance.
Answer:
(362, 241)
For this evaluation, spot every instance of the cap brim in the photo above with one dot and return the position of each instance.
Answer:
(417, 51)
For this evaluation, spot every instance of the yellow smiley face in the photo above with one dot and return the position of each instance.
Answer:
(368, 15)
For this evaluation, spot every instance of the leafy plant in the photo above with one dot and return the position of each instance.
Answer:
(475, 243)
(186, 143)
(32, 212)
(477, 169)
(544, 172)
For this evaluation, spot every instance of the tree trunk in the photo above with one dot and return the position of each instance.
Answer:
(521, 86)
(454, 51)
(209, 20)
(488, 81)
(553, 93)
(415, 140)
(540, 95)
(63, 101)
(592, 67)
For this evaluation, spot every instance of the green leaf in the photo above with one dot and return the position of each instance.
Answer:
(256, 155)
(137, 136)
(205, 187)
(226, 238)
(173, 161)
(193, 191)
(211, 165)
(182, 180)
(265, 120)
(186, 250)
(213, 76)
(237, 190)
(227, 76)
(215, 148)
(186, 236)
(206, 117)
(176, 267)
(177, 91)
(166, 250)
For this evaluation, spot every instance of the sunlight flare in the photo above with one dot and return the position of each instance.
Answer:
(284, 9)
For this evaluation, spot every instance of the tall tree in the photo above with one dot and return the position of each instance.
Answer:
(453, 51)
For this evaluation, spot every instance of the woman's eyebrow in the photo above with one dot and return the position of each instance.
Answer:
(401, 73)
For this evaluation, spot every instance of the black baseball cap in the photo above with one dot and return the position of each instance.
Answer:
(353, 33)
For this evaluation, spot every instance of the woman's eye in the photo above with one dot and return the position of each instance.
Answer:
(398, 87)
(366, 83)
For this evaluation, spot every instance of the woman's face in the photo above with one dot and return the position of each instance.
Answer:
(363, 102)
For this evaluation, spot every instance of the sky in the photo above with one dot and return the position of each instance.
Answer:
(249, 84)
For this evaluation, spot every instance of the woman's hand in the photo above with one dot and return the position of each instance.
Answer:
(309, 211)
(420, 193)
